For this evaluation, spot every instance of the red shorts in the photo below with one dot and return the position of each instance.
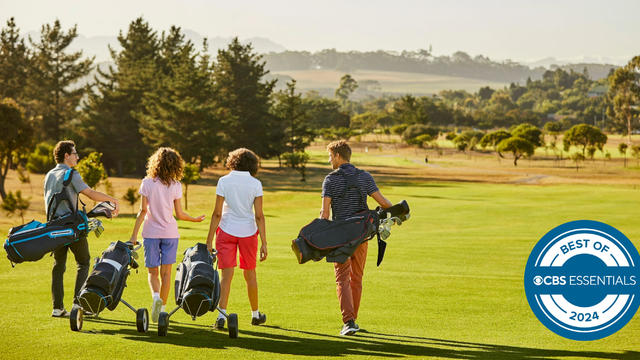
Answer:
(228, 245)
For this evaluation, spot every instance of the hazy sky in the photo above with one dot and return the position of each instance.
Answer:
(521, 30)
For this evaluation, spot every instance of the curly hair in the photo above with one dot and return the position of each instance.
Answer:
(63, 147)
(340, 147)
(165, 164)
(243, 159)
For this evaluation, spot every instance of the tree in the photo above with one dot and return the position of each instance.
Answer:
(91, 169)
(467, 140)
(485, 93)
(624, 93)
(494, 138)
(190, 175)
(244, 99)
(347, 86)
(52, 81)
(585, 136)
(15, 203)
(115, 104)
(14, 62)
(518, 146)
(41, 159)
(132, 197)
(17, 135)
(289, 108)
(297, 160)
(530, 133)
(622, 148)
(181, 112)
(577, 157)
(635, 151)
(413, 131)
(553, 129)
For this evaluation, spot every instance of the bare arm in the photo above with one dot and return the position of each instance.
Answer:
(326, 208)
(215, 221)
(98, 196)
(139, 219)
(181, 215)
(257, 206)
(384, 203)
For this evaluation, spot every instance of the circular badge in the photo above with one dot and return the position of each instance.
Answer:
(582, 280)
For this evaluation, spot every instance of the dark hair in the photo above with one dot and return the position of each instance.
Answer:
(341, 148)
(243, 159)
(63, 147)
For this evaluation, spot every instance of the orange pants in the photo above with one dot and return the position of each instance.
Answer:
(349, 282)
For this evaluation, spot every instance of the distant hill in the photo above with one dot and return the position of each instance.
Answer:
(459, 69)
(459, 64)
(98, 45)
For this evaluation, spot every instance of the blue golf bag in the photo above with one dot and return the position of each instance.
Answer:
(31, 241)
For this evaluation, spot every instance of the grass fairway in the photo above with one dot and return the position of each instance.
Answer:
(450, 287)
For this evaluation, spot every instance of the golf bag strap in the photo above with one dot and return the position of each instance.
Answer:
(61, 196)
(352, 182)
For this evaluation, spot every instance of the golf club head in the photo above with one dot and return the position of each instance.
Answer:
(102, 209)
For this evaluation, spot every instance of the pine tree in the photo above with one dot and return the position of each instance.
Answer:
(292, 113)
(244, 98)
(14, 61)
(181, 112)
(113, 110)
(52, 80)
(16, 137)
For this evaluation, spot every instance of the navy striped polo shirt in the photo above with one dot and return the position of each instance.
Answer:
(334, 186)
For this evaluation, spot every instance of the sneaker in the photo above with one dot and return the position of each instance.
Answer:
(155, 309)
(59, 313)
(219, 324)
(349, 328)
(261, 319)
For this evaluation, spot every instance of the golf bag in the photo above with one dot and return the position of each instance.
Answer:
(104, 286)
(197, 285)
(335, 240)
(338, 240)
(31, 241)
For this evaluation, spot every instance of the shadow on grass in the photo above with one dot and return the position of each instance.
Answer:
(278, 340)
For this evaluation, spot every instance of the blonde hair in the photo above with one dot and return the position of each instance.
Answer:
(166, 164)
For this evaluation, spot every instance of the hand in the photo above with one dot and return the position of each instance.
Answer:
(199, 218)
(117, 210)
(210, 247)
(134, 240)
(263, 252)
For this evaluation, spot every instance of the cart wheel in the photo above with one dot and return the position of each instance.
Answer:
(163, 324)
(232, 324)
(75, 318)
(142, 320)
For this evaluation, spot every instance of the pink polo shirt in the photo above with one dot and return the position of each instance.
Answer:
(159, 221)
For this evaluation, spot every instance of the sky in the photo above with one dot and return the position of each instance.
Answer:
(521, 30)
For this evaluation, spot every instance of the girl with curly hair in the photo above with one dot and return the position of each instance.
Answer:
(236, 228)
(161, 192)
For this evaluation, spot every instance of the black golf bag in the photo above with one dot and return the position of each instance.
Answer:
(335, 240)
(31, 241)
(104, 286)
(197, 285)
(338, 240)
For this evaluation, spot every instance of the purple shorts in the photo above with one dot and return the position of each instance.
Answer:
(159, 251)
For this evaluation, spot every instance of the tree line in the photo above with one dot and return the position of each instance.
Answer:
(161, 91)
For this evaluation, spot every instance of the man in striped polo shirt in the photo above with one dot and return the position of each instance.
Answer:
(344, 193)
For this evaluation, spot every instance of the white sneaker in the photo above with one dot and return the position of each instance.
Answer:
(155, 309)
(60, 313)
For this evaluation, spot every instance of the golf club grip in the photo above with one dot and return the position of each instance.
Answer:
(399, 209)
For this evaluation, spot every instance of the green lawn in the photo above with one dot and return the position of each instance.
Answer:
(450, 287)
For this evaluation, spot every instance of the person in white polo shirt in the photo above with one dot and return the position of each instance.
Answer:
(236, 228)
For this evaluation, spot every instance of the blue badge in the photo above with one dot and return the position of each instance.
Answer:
(582, 280)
